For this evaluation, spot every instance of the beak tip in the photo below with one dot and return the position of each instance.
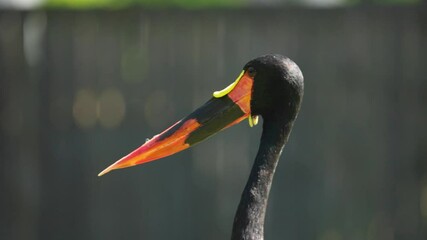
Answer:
(105, 171)
(117, 165)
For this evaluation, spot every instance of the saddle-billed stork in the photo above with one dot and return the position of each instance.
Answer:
(270, 86)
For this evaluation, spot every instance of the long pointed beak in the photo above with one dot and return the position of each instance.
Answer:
(228, 107)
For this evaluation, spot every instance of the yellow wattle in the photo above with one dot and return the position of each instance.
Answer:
(229, 88)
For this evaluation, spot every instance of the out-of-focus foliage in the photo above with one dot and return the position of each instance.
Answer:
(389, 2)
(146, 3)
(210, 3)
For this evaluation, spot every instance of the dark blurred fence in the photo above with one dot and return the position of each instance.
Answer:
(81, 89)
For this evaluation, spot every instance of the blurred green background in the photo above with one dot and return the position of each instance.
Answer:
(195, 4)
(80, 88)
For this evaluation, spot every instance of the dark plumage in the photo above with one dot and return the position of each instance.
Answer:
(277, 94)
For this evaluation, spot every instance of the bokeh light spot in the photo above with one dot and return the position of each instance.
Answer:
(84, 108)
(134, 64)
(111, 108)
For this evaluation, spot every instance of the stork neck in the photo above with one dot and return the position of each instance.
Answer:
(250, 215)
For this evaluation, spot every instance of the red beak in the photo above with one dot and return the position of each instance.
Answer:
(226, 108)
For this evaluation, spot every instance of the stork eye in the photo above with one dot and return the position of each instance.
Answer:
(251, 71)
